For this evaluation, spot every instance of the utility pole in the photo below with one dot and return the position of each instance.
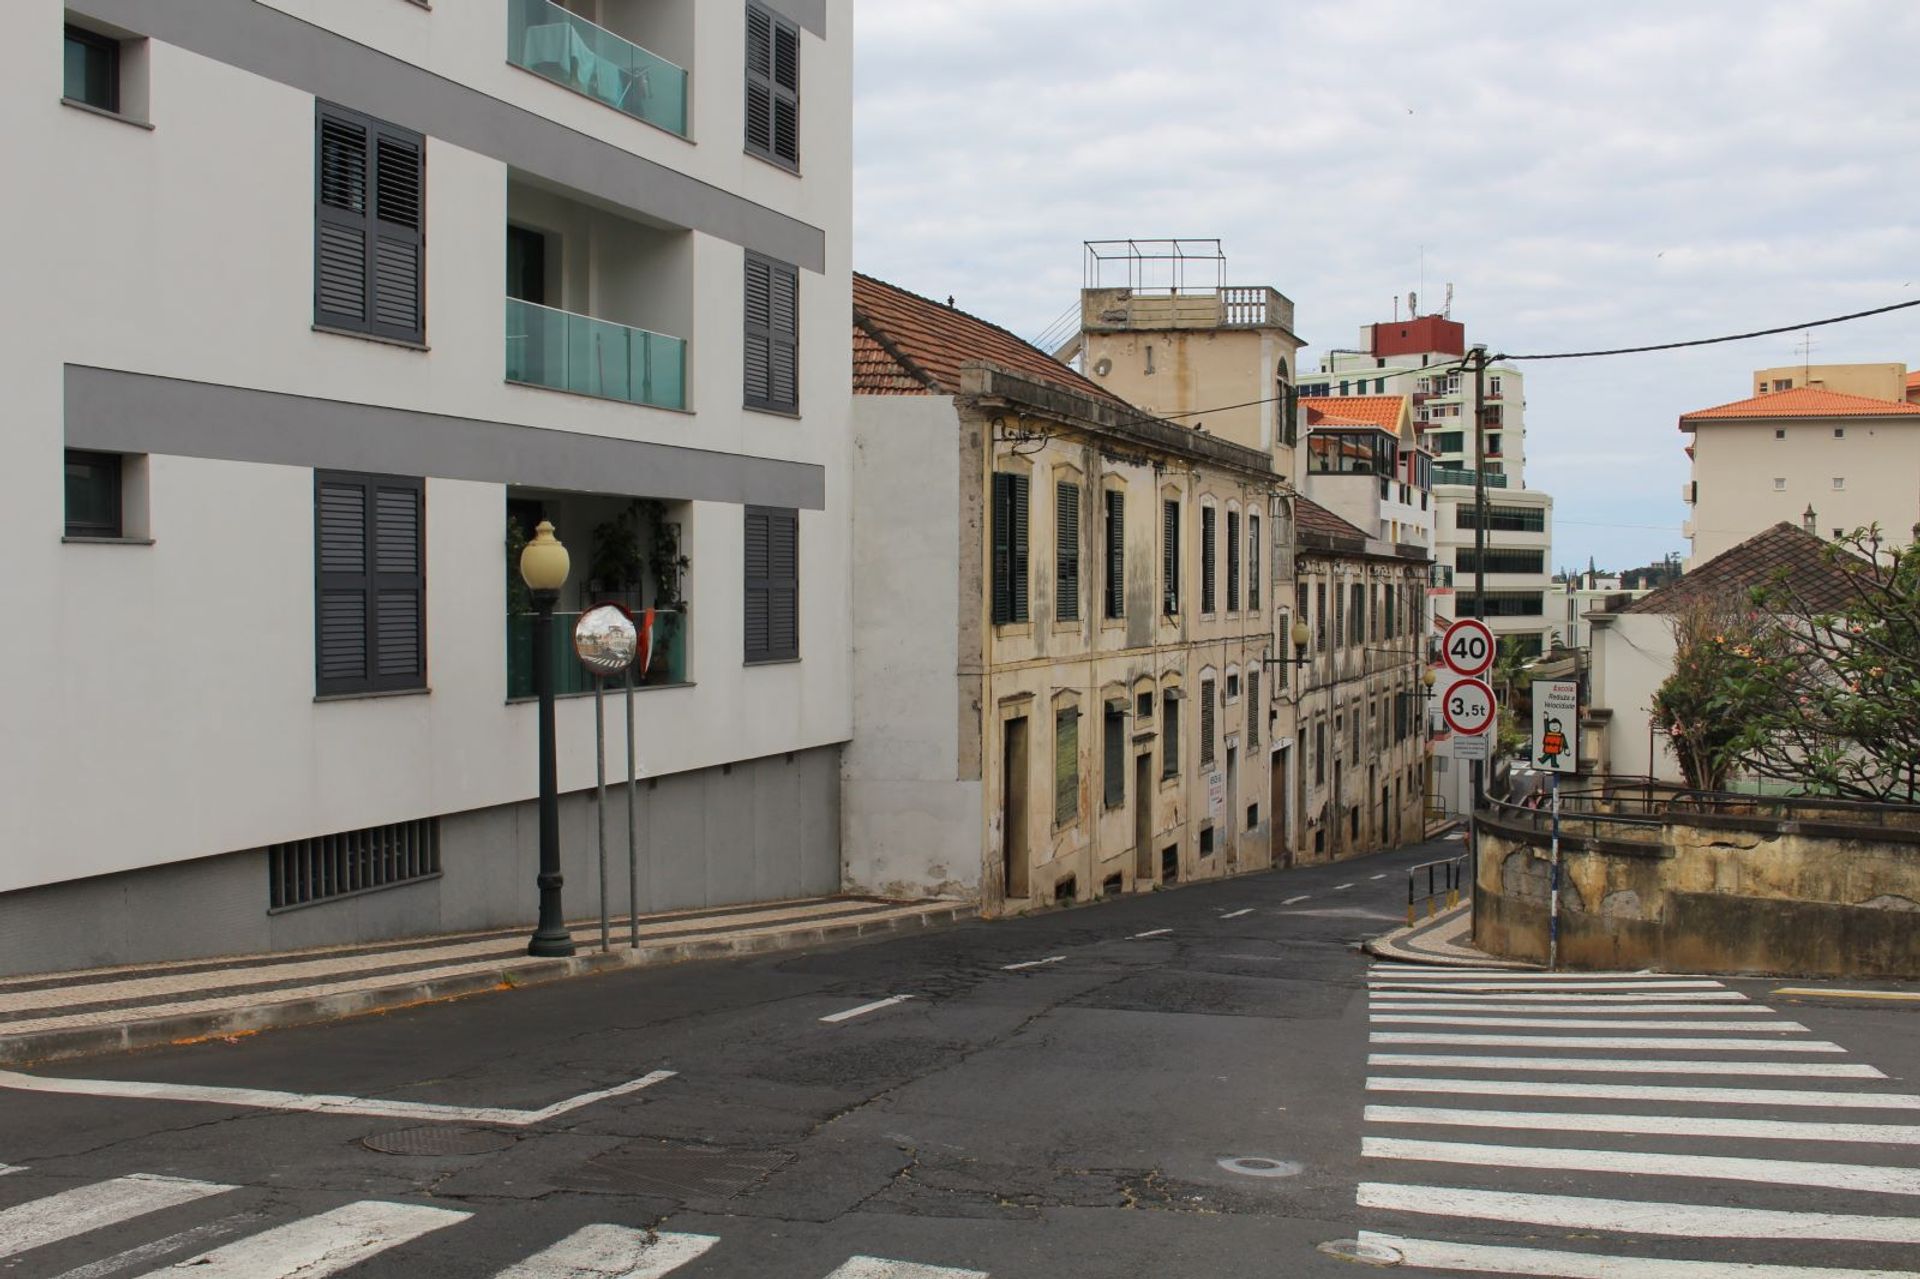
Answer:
(1479, 357)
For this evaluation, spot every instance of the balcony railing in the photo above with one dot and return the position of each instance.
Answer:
(591, 60)
(568, 352)
(667, 666)
(1464, 475)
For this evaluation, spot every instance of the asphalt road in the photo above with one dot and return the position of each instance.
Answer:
(1072, 1116)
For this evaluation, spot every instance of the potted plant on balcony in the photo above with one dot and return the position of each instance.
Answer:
(667, 564)
(614, 571)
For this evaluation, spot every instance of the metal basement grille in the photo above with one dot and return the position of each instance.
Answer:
(355, 861)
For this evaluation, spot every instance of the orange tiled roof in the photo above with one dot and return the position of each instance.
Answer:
(1913, 381)
(1311, 517)
(1383, 411)
(1802, 401)
(904, 344)
(1784, 550)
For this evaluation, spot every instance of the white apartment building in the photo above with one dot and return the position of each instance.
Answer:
(329, 304)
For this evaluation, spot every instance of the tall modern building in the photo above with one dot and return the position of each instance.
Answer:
(331, 306)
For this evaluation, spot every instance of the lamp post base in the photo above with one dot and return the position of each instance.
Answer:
(548, 946)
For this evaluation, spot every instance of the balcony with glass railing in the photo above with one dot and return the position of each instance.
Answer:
(666, 664)
(583, 56)
(1464, 475)
(568, 352)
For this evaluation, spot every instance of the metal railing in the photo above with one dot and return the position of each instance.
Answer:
(568, 352)
(583, 56)
(1445, 877)
(1464, 475)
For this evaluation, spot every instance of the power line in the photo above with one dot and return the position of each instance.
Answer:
(1731, 337)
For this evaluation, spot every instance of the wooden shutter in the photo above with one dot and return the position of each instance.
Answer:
(1233, 561)
(1018, 486)
(1114, 740)
(1066, 766)
(1255, 711)
(773, 88)
(370, 576)
(1170, 558)
(1066, 552)
(1207, 559)
(771, 574)
(1170, 734)
(1002, 568)
(771, 309)
(369, 226)
(1253, 563)
(1116, 554)
(1206, 721)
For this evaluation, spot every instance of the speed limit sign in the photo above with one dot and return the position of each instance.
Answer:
(1467, 647)
(1468, 707)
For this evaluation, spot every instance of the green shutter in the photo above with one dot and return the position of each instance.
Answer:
(1066, 574)
(1170, 558)
(1116, 554)
(1114, 725)
(1066, 767)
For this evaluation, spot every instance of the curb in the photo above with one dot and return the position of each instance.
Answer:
(187, 1028)
(1401, 946)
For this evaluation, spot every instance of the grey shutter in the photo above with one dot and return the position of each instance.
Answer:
(1207, 559)
(342, 190)
(1114, 777)
(1206, 721)
(1002, 516)
(1066, 552)
(1170, 734)
(1255, 711)
(771, 308)
(1233, 561)
(369, 226)
(771, 575)
(1253, 563)
(773, 88)
(370, 579)
(1116, 554)
(399, 242)
(1066, 767)
(759, 79)
(1170, 558)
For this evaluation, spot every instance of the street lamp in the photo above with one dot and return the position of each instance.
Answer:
(1299, 635)
(543, 566)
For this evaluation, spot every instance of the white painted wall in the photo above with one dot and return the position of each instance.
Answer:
(1632, 656)
(161, 702)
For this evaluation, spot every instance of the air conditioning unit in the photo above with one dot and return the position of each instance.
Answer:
(1686, 492)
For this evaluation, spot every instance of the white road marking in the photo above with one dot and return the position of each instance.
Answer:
(1429, 971)
(1582, 1023)
(1525, 997)
(314, 1247)
(1236, 914)
(1692, 1221)
(1568, 1010)
(159, 1248)
(1430, 1254)
(1381, 875)
(879, 1268)
(1603, 1065)
(1778, 1172)
(1157, 932)
(1650, 1092)
(1342, 887)
(864, 1009)
(1662, 1125)
(324, 1103)
(5, 1169)
(92, 1207)
(1538, 983)
(1301, 898)
(1032, 963)
(612, 1252)
(1602, 1041)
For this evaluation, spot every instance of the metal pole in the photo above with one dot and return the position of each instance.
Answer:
(551, 938)
(1553, 914)
(1479, 772)
(600, 797)
(633, 828)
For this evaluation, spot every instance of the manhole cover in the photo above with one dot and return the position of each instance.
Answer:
(439, 1141)
(675, 1172)
(1261, 1166)
(1362, 1251)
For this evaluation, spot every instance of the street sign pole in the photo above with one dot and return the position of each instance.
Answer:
(633, 830)
(1553, 912)
(600, 796)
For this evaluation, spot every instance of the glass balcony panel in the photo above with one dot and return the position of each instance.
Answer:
(568, 352)
(668, 664)
(567, 49)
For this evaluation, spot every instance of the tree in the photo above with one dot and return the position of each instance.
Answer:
(1726, 670)
(1510, 677)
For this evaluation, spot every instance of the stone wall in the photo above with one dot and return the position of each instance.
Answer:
(1703, 893)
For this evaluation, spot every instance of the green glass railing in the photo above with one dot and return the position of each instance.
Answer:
(1464, 475)
(568, 352)
(591, 60)
(667, 666)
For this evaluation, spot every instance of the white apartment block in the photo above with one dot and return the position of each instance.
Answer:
(329, 304)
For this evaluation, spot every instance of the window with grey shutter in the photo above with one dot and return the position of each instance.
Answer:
(1253, 563)
(1116, 554)
(1170, 733)
(1255, 711)
(1233, 561)
(1206, 721)
(1207, 559)
(369, 226)
(771, 355)
(1009, 547)
(1066, 552)
(1170, 558)
(1114, 742)
(773, 88)
(772, 578)
(370, 632)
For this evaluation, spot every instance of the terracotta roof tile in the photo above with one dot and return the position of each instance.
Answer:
(1311, 517)
(1802, 401)
(1913, 381)
(905, 344)
(1384, 411)
(1758, 561)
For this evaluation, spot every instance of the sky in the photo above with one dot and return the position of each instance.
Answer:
(1584, 175)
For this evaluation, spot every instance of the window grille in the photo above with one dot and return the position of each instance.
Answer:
(324, 867)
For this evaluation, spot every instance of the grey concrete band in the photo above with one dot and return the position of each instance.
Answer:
(267, 42)
(122, 412)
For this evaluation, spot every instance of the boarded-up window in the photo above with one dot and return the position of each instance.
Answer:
(1009, 547)
(772, 575)
(370, 245)
(1066, 766)
(370, 632)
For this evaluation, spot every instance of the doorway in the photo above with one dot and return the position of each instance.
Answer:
(1013, 810)
(1277, 806)
(1143, 818)
(1233, 804)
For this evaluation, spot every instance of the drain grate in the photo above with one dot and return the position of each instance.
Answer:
(440, 1141)
(677, 1172)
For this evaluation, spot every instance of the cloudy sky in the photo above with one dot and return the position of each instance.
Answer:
(1586, 175)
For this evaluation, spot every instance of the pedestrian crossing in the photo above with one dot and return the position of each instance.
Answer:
(1626, 1126)
(39, 1235)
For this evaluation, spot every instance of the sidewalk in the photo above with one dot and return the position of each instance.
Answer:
(1444, 941)
(51, 1016)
